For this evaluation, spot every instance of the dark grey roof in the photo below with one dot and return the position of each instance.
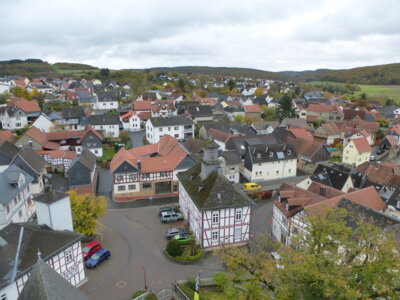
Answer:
(273, 152)
(47, 240)
(294, 122)
(281, 134)
(171, 121)
(231, 157)
(7, 152)
(229, 127)
(50, 197)
(330, 176)
(104, 120)
(45, 283)
(9, 186)
(359, 213)
(73, 112)
(265, 124)
(11, 111)
(240, 143)
(214, 192)
(199, 110)
(32, 159)
(86, 158)
(106, 96)
(85, 98)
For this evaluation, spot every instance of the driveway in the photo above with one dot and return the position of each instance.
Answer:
(104, 184)
(135, 239)
(137, 138)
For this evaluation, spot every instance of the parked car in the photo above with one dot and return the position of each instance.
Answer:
(251, 186)
(91, 248)
(98, 258)
(167, 217)
(167, 209)
(170, 233)
(182, 239)
(372, 158)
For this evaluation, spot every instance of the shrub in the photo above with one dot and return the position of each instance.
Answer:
(222, 281)
(151, 297)
(199, 253)
(138, 293)
(191, 283)
(174, 248)
(188, 291)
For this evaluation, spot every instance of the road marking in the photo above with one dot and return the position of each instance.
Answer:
(121, 284)
(105, 226)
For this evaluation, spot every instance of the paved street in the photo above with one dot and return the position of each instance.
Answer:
(137, 138)
(135, 238)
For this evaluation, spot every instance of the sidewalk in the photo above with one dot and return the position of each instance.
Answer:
(143, 202)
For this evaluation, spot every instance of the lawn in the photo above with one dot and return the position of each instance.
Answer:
(108, 153)
(392, 91)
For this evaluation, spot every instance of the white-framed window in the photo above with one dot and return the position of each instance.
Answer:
(214, 235)
(121, 188)
(132, 187)
(160, 129)
(238, 215)
(215, 217)
(69, 256)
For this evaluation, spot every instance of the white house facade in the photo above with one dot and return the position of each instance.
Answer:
(179, 127)
(269, 162)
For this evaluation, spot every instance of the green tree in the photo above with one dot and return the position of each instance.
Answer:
(341, 257)
(231, 84)
(181, 83)
(104, 72)
(286, 108)
(124, 136)
(259, 91)
(269, 113)
(19, 91)
(383, 123)
(86, 209)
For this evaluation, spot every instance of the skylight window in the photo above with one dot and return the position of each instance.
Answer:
(280, 155)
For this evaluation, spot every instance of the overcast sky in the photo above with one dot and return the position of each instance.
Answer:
(269, 35)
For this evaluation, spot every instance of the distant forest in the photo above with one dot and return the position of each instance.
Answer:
(378, 75)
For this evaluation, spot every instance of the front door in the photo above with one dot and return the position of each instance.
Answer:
(238, 234)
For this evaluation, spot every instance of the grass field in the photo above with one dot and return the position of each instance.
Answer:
(392, 91)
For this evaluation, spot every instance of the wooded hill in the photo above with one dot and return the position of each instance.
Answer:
(382, 74)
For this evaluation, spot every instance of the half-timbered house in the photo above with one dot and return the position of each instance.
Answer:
(217, 213)
(60, 249)
(149, 170)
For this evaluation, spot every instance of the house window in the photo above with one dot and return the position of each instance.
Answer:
(160, 129)
(146, 175)
(215, 235)
(215, 217)
(258, 155)
(131, 177)
(120, 178)
(169, 128)
(277, 172)
(20, 213)
(271, 154)
(238, 215)
(8, 209)
(147, 185)
(69, 256)
(176, 128)
(96, 152)
(121, 188)
(163, 174)
(132, 187)
(176, 135)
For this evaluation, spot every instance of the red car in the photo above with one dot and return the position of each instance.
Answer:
(90, 249)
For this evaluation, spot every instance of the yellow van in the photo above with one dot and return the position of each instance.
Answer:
(251, 186)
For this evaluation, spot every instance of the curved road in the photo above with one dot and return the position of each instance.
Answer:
(135, 238)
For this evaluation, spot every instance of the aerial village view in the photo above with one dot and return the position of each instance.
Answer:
(200, 150)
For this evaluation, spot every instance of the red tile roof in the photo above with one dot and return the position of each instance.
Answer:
(144, 115)
(322, 108)
(254, 108)
(143, 105)
(362, 145)
(129, 114)
(27, 106)
(221, 136)
(301, 133)
(5, 135)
